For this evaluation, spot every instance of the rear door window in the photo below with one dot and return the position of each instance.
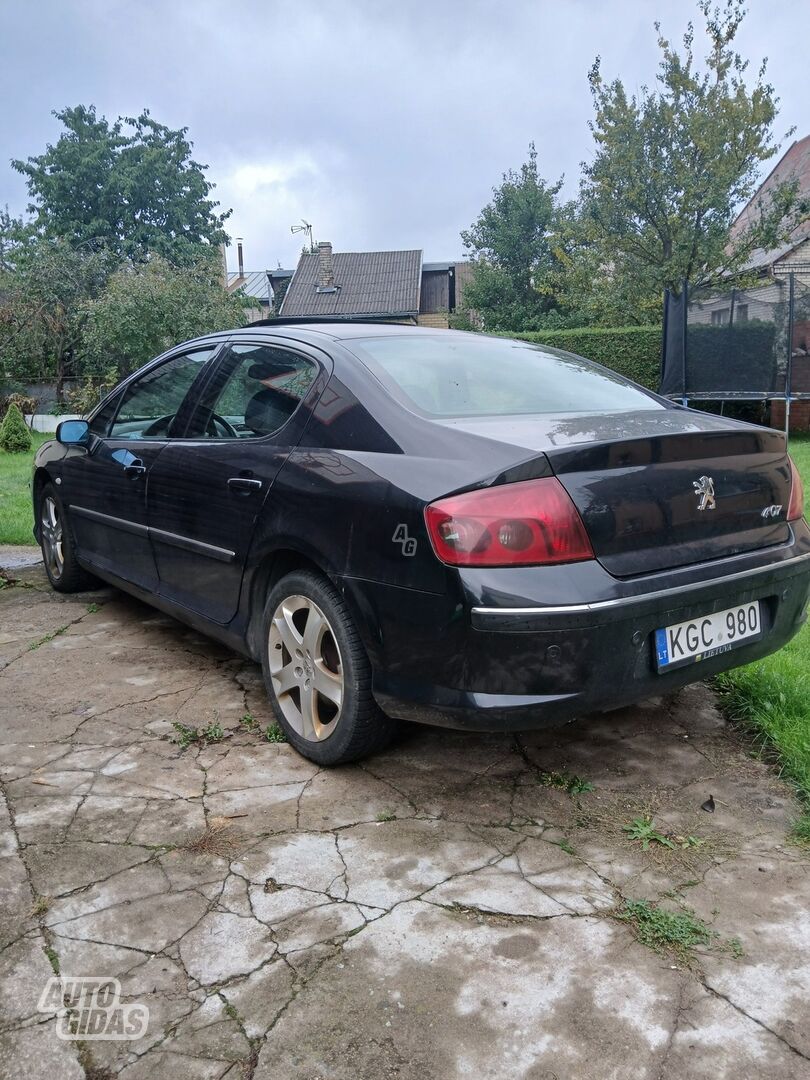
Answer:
(253, 393)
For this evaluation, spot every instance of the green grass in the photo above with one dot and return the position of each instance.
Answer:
(771, 698)
(677, 931)
(16, 514)
(574, 785)
(273, 733)
(186, 735)
(644, 830)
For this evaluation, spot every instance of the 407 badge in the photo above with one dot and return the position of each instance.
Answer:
(90, 1007)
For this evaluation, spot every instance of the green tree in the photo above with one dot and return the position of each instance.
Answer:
(515, 242)
(15, 438)
(45, 287)
(130, 185)
(673, 164)
(148, 307)
(593, 292)
(11, 231)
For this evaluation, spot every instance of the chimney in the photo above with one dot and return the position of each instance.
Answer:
(326, 273)
(239, 256)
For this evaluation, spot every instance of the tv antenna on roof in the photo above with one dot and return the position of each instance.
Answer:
(304, 227)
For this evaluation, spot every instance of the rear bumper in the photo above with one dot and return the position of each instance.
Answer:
(539, 618)
(440, 660)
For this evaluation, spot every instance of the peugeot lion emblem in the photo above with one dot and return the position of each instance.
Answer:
(704, 489)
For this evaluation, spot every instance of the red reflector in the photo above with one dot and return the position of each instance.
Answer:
(796, 507)
(530, 523)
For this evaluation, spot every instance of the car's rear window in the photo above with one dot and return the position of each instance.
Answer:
(448, 375)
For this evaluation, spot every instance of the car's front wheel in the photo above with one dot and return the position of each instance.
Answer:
(317, 674)
(58, 549)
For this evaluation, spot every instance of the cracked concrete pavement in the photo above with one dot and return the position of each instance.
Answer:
(447, 909)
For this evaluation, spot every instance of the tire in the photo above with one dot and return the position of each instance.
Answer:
(58, 546)
(317, 673)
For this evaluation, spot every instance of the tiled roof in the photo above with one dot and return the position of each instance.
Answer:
(761, 258)
(254, 283)
(368, 283)
(794, 165)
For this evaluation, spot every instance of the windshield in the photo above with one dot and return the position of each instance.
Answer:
(446, 375)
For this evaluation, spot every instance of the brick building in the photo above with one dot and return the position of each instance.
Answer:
(772, 270)
(793, 257)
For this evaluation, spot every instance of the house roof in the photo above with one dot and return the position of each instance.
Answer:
(760, 258)
(794, 165)
(368, 283)
(253, 283)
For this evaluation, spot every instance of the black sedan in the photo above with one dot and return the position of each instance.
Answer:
(450, 528)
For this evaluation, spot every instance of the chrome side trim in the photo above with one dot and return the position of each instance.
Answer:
(188, 543)
(626, 601)
(133, 527)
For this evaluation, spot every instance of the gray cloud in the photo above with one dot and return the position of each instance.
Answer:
(385, 124)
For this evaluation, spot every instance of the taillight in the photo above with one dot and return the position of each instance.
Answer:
(796, 506)
(530, 523)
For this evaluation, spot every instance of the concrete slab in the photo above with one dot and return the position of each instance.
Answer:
(19, 556)
(447, 909)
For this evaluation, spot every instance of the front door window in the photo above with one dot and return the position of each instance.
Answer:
(151, 404)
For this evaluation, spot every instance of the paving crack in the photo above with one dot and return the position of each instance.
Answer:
(682, 985)
(755, 1020)
(43, 929)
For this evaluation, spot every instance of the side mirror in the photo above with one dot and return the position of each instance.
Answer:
(73, 433)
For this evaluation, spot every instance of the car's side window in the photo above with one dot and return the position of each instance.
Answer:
(150, 404)
(254, 392)
(100, 423)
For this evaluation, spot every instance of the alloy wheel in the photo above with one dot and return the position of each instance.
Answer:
(51, 533)
(306, 668)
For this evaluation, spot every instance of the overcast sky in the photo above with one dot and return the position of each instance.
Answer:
(385, 124)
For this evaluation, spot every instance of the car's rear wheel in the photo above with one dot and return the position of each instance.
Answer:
(317, 674)
(58, 548)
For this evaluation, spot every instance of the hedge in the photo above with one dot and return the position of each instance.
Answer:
(633, 351)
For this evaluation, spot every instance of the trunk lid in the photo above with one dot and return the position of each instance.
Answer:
(659, 489)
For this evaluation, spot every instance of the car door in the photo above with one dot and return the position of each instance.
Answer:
(106, 488)
(206, 490)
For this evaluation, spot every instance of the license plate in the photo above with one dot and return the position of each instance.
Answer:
(708, 635)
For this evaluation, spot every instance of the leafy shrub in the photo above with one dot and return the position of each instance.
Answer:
(12, 392)
(15, 438)
(9, 386)
(27, 404)
(632, 351)
(83, 399)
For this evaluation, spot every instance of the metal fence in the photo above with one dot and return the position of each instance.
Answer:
(739, 344)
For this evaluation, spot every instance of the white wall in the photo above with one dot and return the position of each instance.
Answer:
(47, 422)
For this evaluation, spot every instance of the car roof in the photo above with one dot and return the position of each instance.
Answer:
(338, 330)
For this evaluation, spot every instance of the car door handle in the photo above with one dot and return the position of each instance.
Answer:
(244, 483)
(134, 469)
